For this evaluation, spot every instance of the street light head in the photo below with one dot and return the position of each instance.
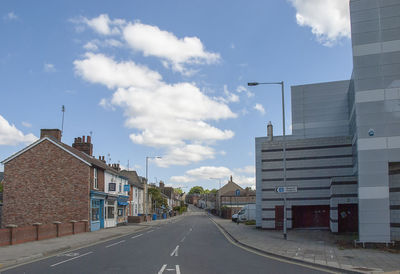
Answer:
(253, 84)
(158, 157)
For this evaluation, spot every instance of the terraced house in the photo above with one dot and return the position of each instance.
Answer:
(49, 181)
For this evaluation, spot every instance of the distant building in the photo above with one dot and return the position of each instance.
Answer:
(344, 153)
(234, 196)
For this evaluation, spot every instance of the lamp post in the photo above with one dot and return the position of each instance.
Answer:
(283, 145)
(219, 194)
(147, 179)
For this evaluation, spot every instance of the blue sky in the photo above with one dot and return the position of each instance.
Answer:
(164, 78)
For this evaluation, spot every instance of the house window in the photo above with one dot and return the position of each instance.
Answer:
(95, 183)
(136, 193)
(120, 187)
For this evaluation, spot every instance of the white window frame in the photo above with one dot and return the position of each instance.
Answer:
(95, 181)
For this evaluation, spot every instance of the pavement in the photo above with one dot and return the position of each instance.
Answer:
(313, 246)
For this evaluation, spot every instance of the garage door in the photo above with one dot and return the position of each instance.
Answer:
(310, 216)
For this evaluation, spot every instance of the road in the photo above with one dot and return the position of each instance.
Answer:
(192, 244)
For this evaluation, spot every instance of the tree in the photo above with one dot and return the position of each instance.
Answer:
(157, 198)
(196, 190)
(178, 190)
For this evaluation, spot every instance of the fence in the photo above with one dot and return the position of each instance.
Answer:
(36, 232)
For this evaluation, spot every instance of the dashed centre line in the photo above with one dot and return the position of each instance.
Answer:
(136, 236)
(150, 231)
(115, 243)
(71, 259)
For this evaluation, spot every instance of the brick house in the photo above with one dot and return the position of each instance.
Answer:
(50, 181)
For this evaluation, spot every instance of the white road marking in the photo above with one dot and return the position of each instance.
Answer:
(178, 270)
(184, 237)
(175, 252)
(71, 259)
(115, 243)
(150, 231)
(136, 236)
(162, 269)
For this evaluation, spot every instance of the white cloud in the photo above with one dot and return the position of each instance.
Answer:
(231, 97)
(10, 135)
(26, 124)
(97, 68)
(220, 172)
(172, 116)
(329, 20)
(241, 89)
(47, 67)
(10, 16)
(259, 108)
(104, 25)
(91, 46)
(175, 52)
(106, 104)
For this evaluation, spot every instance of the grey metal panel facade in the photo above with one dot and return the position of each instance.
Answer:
(311, 115)
(376, 74)
(311, 165)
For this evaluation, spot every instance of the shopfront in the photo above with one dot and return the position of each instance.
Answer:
(122, 213)
(96, 210)
(110, 211)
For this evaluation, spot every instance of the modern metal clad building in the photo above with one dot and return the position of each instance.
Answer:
(344, 152)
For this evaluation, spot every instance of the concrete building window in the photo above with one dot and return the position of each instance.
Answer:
(95, 182)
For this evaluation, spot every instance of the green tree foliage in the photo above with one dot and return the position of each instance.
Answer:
(178, 190)
(157, 199)
(196, 190)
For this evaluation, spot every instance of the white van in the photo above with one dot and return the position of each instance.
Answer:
(246, 213)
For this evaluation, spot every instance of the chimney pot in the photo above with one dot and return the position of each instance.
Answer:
(89, 139)
(83, 138)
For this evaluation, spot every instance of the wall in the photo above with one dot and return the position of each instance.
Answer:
(375, 30)
(320, 110)
(311, 164)
(45, 184)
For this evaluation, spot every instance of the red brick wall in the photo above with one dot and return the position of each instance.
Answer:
(100, 179)
(45, 184)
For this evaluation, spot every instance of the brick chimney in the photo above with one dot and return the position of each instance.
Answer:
(52, 133)
(101, 158)
(84, 146)
(162, 184)
(116, 167)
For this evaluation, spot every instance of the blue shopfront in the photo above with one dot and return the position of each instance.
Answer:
(97, 210)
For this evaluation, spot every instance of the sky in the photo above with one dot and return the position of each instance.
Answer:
(164, 78)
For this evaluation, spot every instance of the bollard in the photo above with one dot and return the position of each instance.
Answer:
(37, 230)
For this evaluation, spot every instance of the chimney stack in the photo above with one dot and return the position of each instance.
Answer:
(52, 133)
(81, 145)
(270, 131)
(116, 167)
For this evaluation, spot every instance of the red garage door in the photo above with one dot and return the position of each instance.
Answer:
(310, 216)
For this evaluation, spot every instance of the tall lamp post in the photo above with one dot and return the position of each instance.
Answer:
(147, 179)
(219, 194)
(284, 148)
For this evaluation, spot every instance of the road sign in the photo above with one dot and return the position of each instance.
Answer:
(286, 189)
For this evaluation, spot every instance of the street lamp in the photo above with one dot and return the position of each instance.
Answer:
(219, 194)
(284, 147)
(147, 167)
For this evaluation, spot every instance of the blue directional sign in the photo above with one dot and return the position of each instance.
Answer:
(286, 189)
(237, 192)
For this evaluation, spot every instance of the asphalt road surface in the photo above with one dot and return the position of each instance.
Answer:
(189, 245)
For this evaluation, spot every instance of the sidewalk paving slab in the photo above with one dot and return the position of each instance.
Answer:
(313, 246)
